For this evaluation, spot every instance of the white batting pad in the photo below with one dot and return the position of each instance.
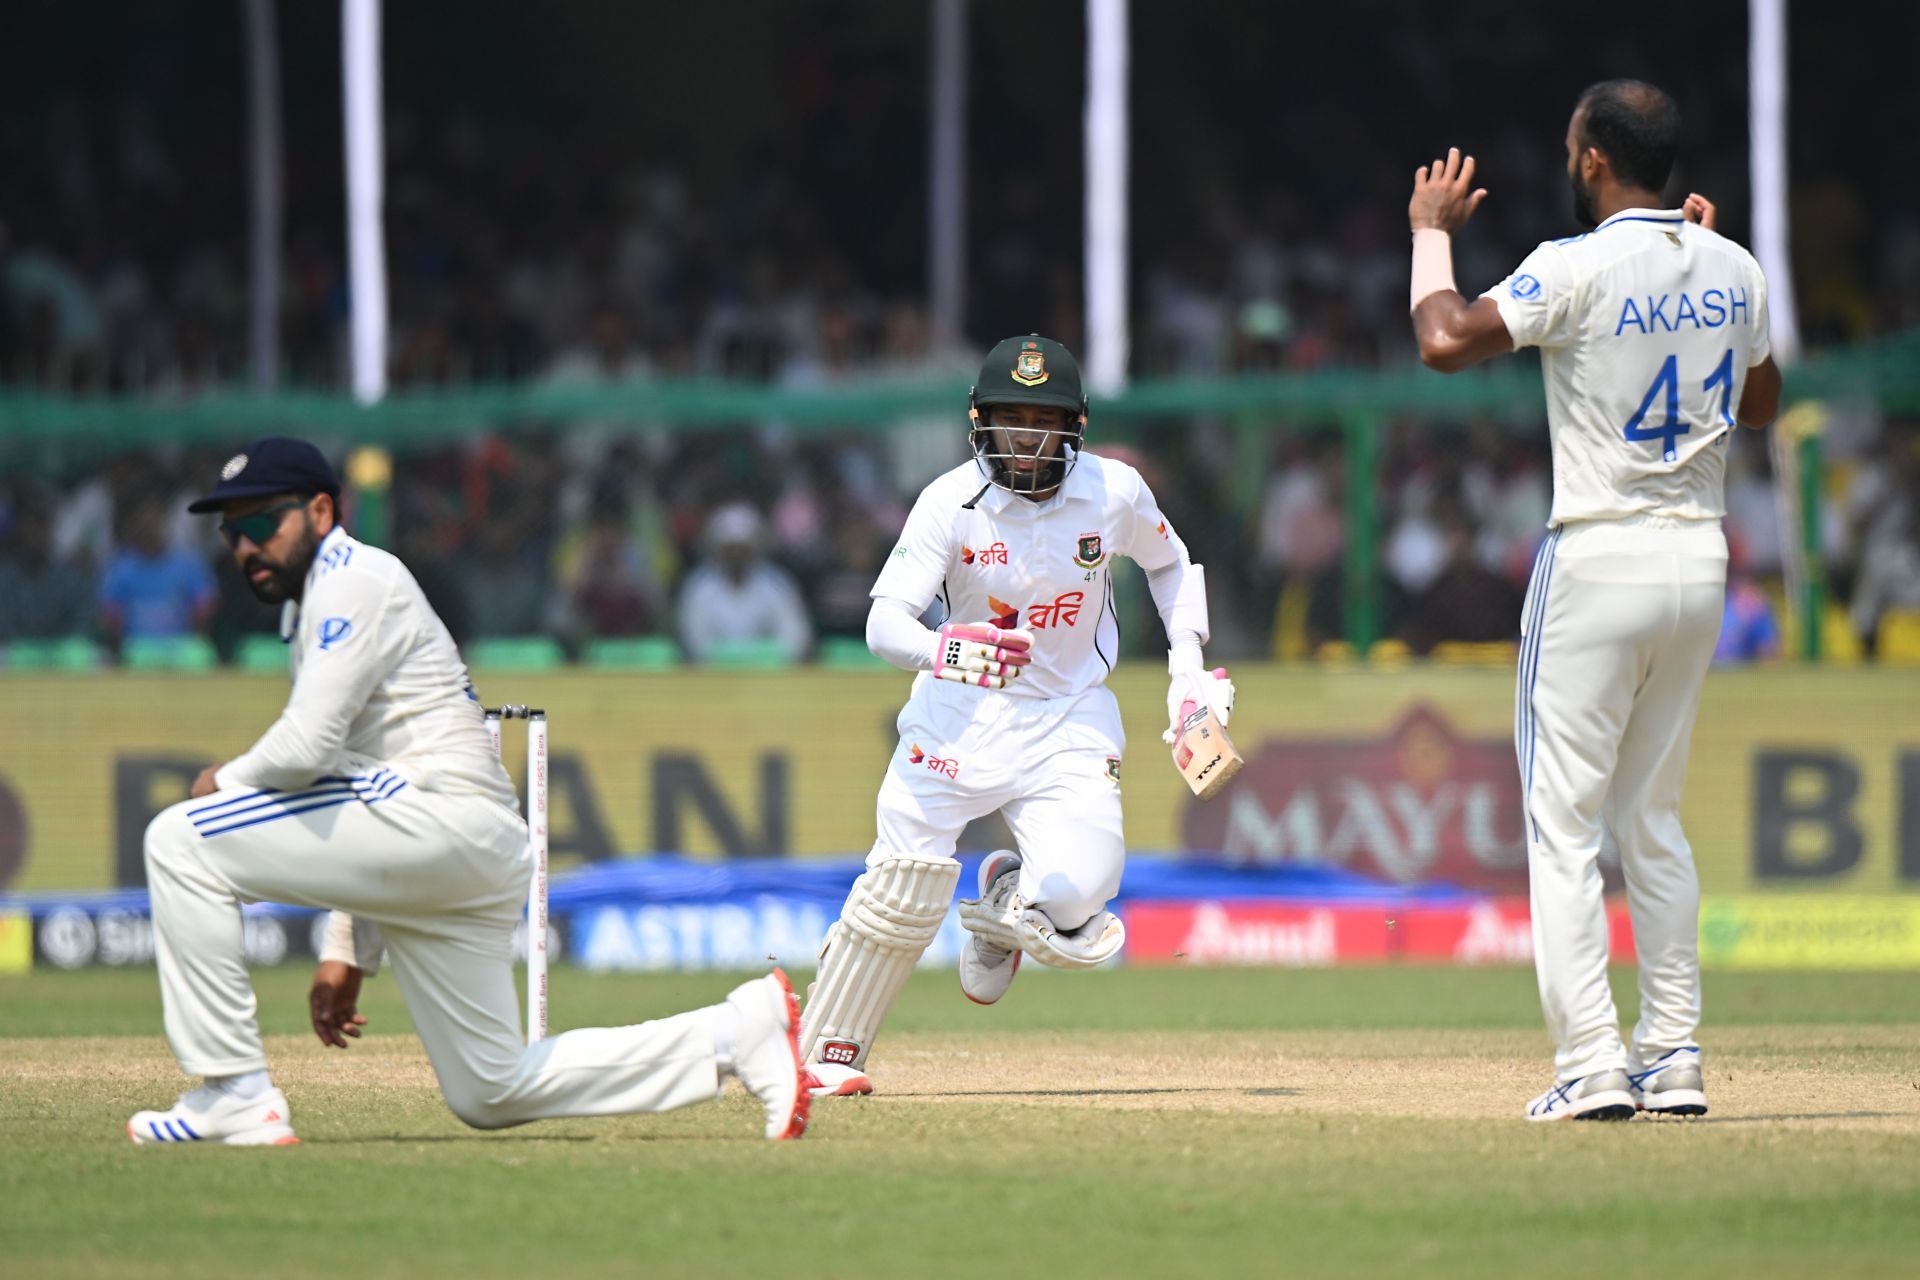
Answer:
(892, 912)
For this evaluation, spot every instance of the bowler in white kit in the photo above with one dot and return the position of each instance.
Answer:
(1652, 330)
(1009, 711)
(377, 796)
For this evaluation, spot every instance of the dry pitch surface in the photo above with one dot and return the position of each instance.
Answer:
(1112, 1124)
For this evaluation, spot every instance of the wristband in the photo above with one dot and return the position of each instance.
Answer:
(1432, 265)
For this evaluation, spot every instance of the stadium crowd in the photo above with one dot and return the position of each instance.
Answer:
(535, 247)
(577, 536)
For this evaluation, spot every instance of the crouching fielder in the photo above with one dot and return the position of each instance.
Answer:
(377, 795)
(1010, 710)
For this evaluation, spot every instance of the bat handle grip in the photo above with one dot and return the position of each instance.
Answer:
(1186, 709)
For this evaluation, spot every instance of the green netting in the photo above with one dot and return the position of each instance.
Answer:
(639, 653)
(847, 653)
(261, 653)
(748, 655)
(67, 653)
(514, 653)
(1886, 372)
(168, 653)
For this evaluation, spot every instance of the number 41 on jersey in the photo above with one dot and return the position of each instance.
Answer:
(1668, 380)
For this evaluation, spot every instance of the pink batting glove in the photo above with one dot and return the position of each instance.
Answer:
(979, 653)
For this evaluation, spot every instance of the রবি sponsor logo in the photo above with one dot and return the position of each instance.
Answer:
(1062, 611)
(995, 554)
(949, 766)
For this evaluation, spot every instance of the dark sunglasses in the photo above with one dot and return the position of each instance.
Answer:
(259, 526)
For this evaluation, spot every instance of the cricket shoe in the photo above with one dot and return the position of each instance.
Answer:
(1671, 1085)
(986, 971)
(766, 1052)
(208, 1114)
(1604, 1095)
(831, 1080)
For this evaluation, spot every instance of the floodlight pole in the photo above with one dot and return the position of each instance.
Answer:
(1106, 210)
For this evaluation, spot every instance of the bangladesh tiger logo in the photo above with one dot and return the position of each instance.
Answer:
(1089, 555)
(1030, 366)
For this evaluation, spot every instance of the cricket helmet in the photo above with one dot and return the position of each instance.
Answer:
(1030, 370)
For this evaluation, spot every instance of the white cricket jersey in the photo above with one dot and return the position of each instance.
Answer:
(376, 679)
(1039, 566)
(1646, 326)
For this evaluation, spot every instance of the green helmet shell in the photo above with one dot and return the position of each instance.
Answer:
(1031, 370)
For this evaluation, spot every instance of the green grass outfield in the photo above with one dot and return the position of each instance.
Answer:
(1148, 1122)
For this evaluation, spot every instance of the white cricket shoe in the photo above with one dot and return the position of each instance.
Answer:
(208, 1114)
(1604, 1095)
(986, 971)
(1671, 1086)
(766, 1052)
(831, 1080)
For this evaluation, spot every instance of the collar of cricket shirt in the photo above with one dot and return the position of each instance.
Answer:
(1644, 215)
(290, 611)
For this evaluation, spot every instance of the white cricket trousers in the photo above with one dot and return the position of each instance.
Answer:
(1617, 632)
(1049, 766)
(445, 878)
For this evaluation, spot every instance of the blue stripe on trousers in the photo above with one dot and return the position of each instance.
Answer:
(1529, 676)
(314, 802)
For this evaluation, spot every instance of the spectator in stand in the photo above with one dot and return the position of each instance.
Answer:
(1889, 576)
(1748, 631)
(737, 595)
(41, 598)
(505, 585)
(1464, 601)
(1298, 541)
(611, 355)
(842, 592)
(153, 588)
(611, 589)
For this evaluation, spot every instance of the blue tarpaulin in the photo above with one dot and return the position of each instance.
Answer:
(665, 879)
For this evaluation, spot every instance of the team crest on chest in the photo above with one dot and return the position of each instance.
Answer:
(1088, 554)
(1030, 366)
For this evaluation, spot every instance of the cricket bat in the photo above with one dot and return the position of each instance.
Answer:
(1202, 752)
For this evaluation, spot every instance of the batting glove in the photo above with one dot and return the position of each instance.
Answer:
(1195, 684)
(980, 653)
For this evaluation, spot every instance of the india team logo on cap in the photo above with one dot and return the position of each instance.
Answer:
(235, 465)
(1030, 366)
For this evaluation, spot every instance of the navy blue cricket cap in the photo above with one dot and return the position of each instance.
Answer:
(275, 464)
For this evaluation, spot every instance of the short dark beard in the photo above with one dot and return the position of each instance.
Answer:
(285, 580)
(1583, 210)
